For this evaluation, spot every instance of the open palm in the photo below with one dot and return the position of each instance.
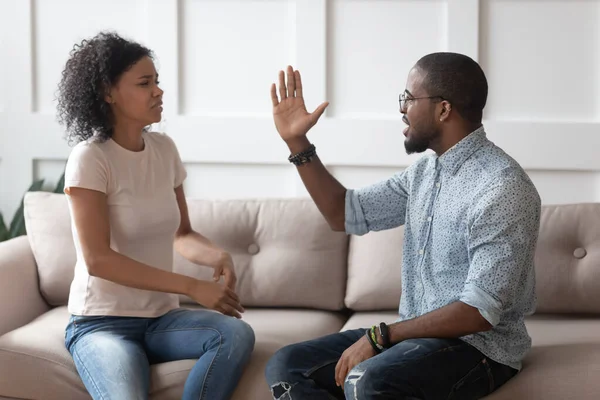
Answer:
(289, 111)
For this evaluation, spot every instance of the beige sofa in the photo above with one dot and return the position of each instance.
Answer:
(299, 280)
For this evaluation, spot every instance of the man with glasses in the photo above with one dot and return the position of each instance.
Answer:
(471, 218)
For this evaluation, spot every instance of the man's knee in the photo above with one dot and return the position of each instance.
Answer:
(279, 365)
(369, 382)
(359, 383)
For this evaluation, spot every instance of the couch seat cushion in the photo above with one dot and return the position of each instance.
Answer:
(35, 364)
(563, 363)
(368, 319)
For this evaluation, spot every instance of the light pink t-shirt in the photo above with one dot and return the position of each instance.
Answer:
(143, 217)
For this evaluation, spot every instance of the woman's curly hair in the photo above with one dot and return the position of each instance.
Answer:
(93, 67)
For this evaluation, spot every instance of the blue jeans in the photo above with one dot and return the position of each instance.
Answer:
(418, 369)
(113, 354)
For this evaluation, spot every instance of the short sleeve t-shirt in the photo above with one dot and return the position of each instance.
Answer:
(143, 216)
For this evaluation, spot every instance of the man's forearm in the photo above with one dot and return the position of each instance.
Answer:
(328, 194)
(452, 321)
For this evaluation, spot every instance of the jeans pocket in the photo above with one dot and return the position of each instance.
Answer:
(477, 383)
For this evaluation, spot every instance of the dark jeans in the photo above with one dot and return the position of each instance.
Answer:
(423, 369)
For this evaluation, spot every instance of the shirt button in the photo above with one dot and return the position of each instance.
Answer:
(429, 219)
(437, 184)
(421, 252)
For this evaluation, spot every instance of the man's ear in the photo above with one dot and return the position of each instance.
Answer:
(445, 110)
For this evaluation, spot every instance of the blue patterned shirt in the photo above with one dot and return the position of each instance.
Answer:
(471, 221)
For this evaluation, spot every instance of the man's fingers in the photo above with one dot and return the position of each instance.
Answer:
(340, 371)
(318, 112)
(291, 82)
(274, 98)
(282, 93)
(337, 371)
(298, 84)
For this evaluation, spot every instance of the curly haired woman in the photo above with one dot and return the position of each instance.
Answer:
(128, 210)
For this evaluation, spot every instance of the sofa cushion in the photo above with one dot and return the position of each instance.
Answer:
(275, 329)
(35, 366)
(567, 260)
(562, 363)
(374, 269)
(284, 252)
(368, 319)
(48, 225)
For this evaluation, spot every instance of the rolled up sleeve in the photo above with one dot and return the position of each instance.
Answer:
(377, 207)
(502, 239)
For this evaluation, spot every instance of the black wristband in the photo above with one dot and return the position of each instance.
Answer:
(373, 345)
(303, 157)
(384, 331)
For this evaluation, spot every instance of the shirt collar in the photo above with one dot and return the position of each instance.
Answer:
(454, 158)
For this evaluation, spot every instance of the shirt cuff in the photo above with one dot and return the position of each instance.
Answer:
(488, 306)
(355, 219)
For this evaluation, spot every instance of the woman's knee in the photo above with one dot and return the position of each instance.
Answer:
(239, 334)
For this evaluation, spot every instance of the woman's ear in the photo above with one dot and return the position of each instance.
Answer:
(108, 96)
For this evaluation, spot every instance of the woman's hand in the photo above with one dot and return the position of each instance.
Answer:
(225, 268)
(218, 297)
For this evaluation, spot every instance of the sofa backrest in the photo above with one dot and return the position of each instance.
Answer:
(568, 259)
(567, 264)
(284, 252)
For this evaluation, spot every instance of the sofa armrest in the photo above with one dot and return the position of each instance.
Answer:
(20, 298)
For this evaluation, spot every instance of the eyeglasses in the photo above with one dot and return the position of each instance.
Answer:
(405, 97)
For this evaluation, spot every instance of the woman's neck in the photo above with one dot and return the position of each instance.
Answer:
(129, 137)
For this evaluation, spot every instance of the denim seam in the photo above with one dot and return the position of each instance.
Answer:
(209, 371)
(183, 329)
(439, 351)
(88, 374)
(308, 373)
(465, 377)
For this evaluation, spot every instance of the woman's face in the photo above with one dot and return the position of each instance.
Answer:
(136, 97)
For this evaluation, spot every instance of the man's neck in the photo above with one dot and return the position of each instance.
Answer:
(454, 135)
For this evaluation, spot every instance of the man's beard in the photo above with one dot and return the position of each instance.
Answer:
(418, 141)
(416, 145)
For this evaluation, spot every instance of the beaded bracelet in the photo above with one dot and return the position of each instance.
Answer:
(303, 157)
(370, 339)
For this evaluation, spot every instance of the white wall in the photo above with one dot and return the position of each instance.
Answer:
(217, 59)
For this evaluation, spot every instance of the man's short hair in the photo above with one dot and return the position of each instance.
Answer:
(458, 79)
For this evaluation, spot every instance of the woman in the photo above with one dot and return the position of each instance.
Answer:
(124, 188)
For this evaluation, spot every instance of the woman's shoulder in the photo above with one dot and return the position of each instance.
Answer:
(88, 149)
(160, 139)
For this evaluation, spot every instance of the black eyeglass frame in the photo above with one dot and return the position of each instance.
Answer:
(402, 98)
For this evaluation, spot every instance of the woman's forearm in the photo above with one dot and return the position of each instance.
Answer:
(199, 250)
(125, 271)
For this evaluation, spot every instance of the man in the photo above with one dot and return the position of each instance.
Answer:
(471, 219)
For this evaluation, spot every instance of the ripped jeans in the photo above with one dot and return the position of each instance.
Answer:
(113, 354)
(417, 369)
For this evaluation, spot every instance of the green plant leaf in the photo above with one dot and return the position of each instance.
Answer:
(17, 225)
(60, 185)
(3, 229)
